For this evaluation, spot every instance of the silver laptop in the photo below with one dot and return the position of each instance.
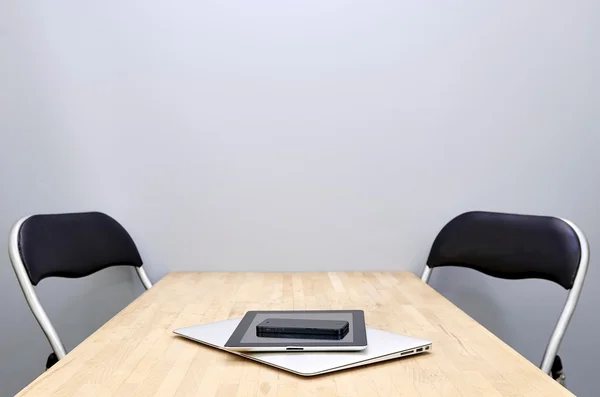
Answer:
(382, 346)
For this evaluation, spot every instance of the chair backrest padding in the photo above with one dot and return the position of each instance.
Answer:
(74, 245)
(509, 246)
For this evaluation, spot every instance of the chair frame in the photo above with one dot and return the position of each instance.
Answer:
(570, 303)
(29, 291)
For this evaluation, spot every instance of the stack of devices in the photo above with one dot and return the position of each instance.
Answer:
(305, 342)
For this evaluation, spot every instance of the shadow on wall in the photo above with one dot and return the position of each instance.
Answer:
(473, 300)
(484, 309)
(531, 307)
(106, 293)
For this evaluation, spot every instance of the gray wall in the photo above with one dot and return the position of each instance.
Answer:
(313, 135)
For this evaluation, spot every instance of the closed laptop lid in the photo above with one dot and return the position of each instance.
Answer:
(382, 346)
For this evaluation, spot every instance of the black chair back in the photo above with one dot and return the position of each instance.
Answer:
(74, 245)
(509, 246)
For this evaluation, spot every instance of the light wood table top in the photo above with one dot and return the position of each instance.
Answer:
(136, 354)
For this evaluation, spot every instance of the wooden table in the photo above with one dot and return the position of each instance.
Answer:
(136, 353)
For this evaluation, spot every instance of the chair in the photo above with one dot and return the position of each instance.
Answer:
(514, 247)
(67, 245)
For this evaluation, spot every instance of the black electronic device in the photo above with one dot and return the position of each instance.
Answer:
(302, 328)
(245, 337)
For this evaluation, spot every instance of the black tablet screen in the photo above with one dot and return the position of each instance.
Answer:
(245, 334)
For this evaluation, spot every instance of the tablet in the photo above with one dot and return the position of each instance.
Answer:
(246, 338)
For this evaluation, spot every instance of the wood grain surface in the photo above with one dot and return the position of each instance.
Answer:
(136, 354)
